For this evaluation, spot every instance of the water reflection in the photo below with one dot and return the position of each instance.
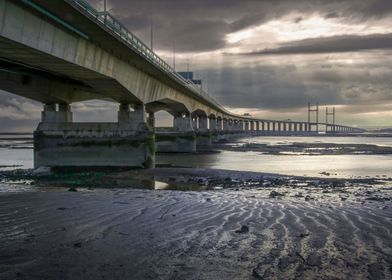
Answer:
(360, 164)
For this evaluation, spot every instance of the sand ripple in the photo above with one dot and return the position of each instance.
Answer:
(135, 234)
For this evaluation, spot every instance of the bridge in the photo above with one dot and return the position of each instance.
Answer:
(66, 51)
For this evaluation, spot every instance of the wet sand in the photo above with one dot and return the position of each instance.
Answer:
(221, 234)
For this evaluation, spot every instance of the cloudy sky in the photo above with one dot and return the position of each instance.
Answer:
(266, 57)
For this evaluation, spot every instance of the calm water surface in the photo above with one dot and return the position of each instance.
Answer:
(342, 166)
(18, 153)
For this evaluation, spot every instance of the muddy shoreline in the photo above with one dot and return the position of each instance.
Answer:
(200, 223)
(220, 234)
(308, 149)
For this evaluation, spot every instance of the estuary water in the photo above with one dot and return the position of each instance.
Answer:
(16, 151)
(339, 166)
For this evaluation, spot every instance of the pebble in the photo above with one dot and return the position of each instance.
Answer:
(244, 229)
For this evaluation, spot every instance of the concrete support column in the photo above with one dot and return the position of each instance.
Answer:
(134, 119)
(252, 126)
(258, 126)
(235, 125)
(194, 123)
(268, 126)
(183, 122)
(219, 124)
(274, 126)
(64, 113)
(225, 125)
(241, 125)
(151, 120)
(246, 126)
(212, 123)
(51, 115)
(203, 123)
(230, 125)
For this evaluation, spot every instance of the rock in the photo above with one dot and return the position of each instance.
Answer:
(78, 245)
(302, 235)
(313, 260)
(227, 179)
(375, 271)
(42, 171)
(72, 189)
(275, 194)
(308, 198)
(286, 261)
(256, 274)
(299, 194)
(244, 229)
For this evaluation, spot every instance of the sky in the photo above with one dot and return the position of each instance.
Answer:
(268, 58)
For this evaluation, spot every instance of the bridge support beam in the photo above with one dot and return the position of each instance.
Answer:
(58, 142)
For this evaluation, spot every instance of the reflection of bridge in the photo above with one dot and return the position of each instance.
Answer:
(65, 51)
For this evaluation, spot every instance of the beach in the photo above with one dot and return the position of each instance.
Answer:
(206, 222)
(248, 232)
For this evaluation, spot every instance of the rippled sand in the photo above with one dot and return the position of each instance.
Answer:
(137, 234)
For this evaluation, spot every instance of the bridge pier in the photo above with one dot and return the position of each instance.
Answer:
(58, 142)
(51, 114)
(151, 120)
(181, 140)
(203, 135)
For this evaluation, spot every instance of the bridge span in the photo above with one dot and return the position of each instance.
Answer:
(65, 51)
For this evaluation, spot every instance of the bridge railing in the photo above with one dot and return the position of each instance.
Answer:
(142, 49)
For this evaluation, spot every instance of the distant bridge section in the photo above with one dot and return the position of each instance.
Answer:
(65, 51)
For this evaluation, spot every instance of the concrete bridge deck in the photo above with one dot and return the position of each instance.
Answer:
(63, 52)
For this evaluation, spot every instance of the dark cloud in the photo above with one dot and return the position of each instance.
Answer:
(184, 21)
(335, 44)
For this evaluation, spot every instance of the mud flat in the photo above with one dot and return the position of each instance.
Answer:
(305, 148)
(268, 232)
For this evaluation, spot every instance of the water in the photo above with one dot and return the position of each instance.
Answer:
(16, 152)
(339, 166)
(379, 141)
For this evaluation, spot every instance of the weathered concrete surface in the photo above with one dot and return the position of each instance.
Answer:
(91, 145)
(203, 139)
(176, 142)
